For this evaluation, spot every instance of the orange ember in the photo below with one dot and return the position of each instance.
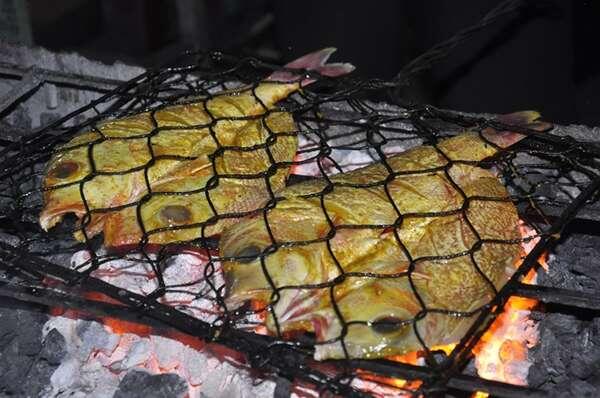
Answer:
(413, 358)
(120, 326)
(501, 353)
(259, 308)
(97, 296)
(381, 386)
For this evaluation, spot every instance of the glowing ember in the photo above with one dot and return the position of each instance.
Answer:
(379, 386)
(501, 353)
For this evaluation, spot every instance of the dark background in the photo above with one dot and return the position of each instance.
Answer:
(544, 58)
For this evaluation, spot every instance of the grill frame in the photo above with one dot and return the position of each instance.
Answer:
(436, 378)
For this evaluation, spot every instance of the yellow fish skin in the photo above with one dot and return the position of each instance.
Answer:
(360, 261)
(131, 165)
(179, 206)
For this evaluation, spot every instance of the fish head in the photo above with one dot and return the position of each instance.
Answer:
(89, 175)
(371, 318)
(67, 168)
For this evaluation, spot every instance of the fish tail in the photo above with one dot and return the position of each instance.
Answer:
(315, 61)
(525, 119)
(521, 118)
(283, 82)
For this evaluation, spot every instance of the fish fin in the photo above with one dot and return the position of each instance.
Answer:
(283, 82)
(315, 61)
(525, 119)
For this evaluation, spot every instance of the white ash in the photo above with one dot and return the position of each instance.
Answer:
(99, 359)
(50, 102)
(186, 287)
(352, 148)
(97, 362)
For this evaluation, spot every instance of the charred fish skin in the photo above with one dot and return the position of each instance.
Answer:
(100, 175)
(382, 279)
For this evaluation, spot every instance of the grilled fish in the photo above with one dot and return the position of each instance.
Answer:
(152, 171)
(365, 264)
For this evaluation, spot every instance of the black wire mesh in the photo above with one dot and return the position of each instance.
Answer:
(439, 286)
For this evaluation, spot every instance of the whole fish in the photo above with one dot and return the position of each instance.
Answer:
(392, 253)
(152, 171)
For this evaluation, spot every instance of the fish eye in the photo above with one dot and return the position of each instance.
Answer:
(248, 254)
(388, 324)
(175, 214)
(65, 169)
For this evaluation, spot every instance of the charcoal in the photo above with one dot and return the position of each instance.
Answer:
(470, 369)
(595, 331)
(282, 388)
(26, 361)
(567, 358)
(575, 264)
(46, 362)
(20, 117)
(138, 354)
(9, 238)
(553, 358)
(563, 325)
(587, 365)
(137, 384)
(538, 375)
(54, 349)
(580, 388)
(82, 328)
(47, 118)
(437, 358)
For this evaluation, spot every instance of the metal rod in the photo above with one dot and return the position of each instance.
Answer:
(459, 382)
(495, 388)
(99, 84)
(30, 82)
(54, 297)
(559, 296)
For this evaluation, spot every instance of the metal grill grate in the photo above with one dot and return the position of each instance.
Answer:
(548, 177)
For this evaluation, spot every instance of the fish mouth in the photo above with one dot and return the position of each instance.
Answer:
(48, 221)
(49, 217)
(235, 299)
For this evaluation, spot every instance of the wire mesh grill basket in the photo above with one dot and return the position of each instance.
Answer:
(359, 230)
